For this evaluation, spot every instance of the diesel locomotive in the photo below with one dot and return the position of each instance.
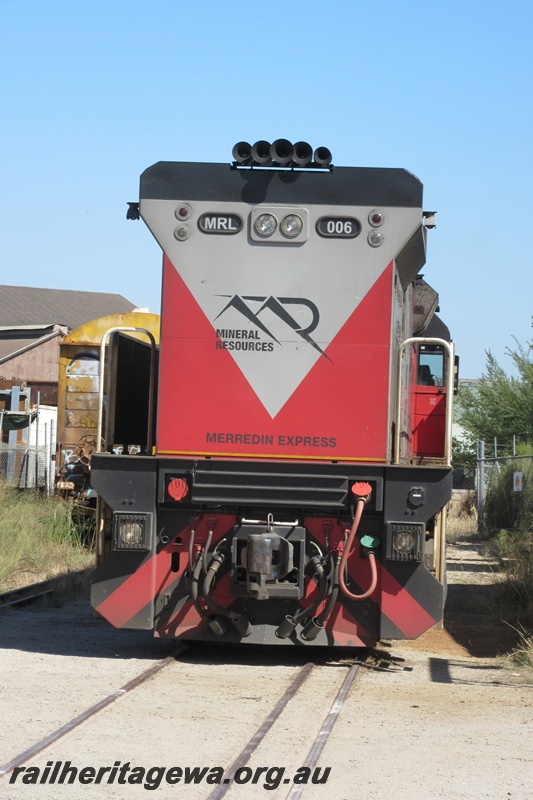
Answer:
(277, 468)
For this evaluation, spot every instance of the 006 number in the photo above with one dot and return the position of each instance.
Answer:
(339, 227)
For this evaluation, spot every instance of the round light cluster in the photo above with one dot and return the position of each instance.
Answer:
(376, 219)
(290, 226)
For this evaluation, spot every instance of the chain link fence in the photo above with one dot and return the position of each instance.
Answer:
(27, 455)
(504, 488)
(25, 466)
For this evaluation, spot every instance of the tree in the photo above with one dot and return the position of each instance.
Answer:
(500, 406)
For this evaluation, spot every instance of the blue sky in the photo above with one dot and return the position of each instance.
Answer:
(93, 93)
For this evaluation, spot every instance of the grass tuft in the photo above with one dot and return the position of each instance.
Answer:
(39, 538)
(522, 654)
(461, 522)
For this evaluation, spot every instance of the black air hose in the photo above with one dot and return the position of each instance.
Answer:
(314, 625)
(334, 593)
(214, 566)
(194, 588)
(322, 589)
(239, 620)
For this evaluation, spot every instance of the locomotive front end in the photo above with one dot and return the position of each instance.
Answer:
(294, 494)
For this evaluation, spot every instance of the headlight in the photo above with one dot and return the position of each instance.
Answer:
(404, 541)
(292, 225)
(132, 531)
(279, 225)
(265, 225)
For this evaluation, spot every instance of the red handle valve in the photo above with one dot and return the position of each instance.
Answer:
(362, 491)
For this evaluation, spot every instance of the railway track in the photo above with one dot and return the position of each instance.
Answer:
(26, 595)
(267, 727)
(319, 742)
(48, 741)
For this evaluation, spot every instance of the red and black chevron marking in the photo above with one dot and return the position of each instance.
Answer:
(138, 591)
(124, 593)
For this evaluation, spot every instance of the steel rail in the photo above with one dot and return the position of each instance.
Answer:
(318, 745)
(327, 726)
(90, 712)
(259, 735)
(35, 591)
(26, 594)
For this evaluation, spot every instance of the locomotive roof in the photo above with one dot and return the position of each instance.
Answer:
(169, 180)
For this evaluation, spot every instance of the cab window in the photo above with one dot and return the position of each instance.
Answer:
(430, 365)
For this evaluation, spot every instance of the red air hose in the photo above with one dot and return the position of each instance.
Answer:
(362, 492)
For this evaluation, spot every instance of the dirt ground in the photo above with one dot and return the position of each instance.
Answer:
(446, 716)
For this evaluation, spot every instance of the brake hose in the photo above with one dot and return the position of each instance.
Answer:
(362, 493)
(214, 565)
(310, 610)
(194, 588)
(334, 594)
(238, 618)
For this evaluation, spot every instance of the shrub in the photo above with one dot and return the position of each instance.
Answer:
(504, 507)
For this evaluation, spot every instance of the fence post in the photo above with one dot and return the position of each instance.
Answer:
(12, 439)
(52, 462)
(480, 482)
(37, 441)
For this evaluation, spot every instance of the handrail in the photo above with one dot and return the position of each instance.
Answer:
(448, 346)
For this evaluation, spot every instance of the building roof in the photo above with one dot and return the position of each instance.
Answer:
(23, 305)
(14, 341)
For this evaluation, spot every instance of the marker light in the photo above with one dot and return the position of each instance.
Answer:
(265, 225)
(178, 488)
(182, 232)
(375, 238)
(376, 218)
(292, 225)
(183, 212)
